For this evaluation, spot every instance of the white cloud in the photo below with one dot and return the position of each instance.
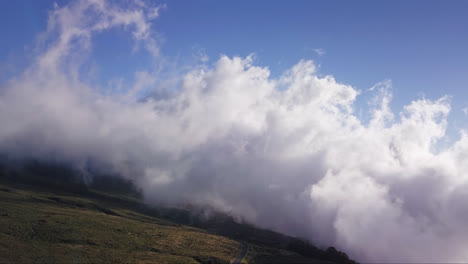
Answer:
(465, 110)
(70, 27)
(228, 134)
(320, 52)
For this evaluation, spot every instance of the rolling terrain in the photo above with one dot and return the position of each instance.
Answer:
(43, 220)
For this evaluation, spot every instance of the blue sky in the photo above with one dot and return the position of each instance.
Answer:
(216, 132)
(419, 45)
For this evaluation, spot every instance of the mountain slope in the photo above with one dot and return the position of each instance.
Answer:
(40, 224)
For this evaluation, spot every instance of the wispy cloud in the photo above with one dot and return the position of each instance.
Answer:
(465, 110)
(74, 24)
(320, 52)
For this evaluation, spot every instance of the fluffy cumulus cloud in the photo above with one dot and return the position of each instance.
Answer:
(284, 153)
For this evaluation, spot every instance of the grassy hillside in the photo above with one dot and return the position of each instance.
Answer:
(40, 224)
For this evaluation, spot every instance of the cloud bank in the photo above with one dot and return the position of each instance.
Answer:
(284, 153)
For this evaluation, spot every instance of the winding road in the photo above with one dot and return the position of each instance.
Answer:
(238, 260)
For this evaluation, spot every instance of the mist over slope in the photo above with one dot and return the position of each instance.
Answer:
(284, 153)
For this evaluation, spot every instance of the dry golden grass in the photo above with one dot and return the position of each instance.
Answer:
(43, 225)
(48, 228)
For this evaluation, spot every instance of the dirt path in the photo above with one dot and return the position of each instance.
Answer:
(238, 260)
